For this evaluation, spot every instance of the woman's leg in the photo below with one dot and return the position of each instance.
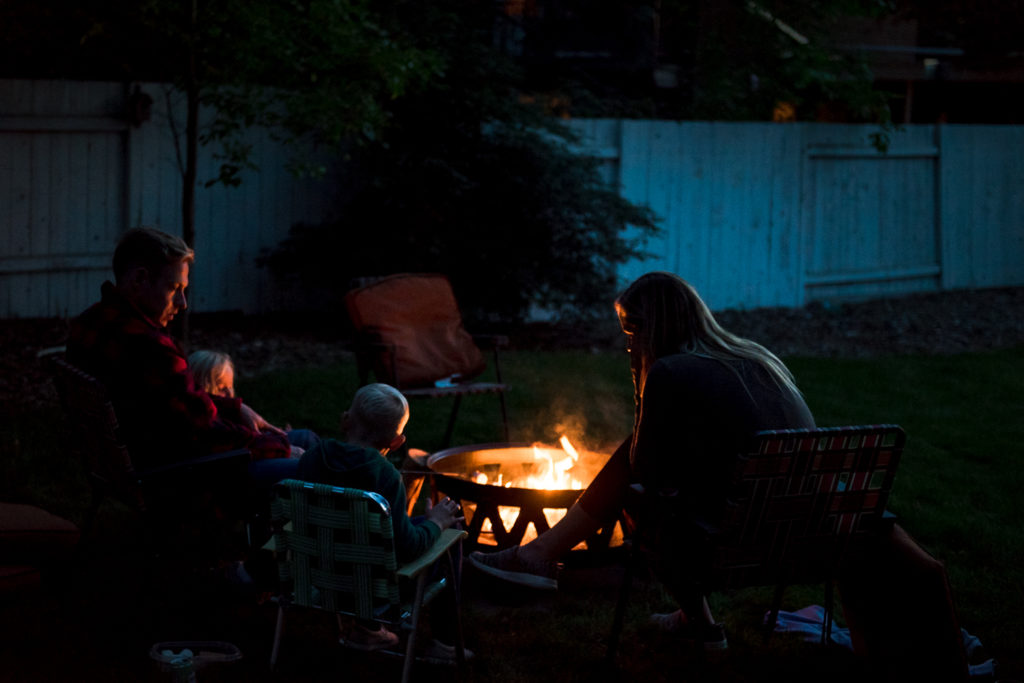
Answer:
(600, 504)
(535, 563)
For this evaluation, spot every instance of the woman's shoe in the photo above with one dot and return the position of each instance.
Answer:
(436, 652)
(364, 638)
(711, 636)
(509, 565)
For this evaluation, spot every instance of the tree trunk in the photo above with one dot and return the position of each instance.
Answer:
(188, 189)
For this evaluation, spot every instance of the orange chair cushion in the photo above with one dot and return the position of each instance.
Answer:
(30, 535)
(418, 316)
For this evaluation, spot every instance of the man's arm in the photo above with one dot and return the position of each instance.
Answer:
(192, 411)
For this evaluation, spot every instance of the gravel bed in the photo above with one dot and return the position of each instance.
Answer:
(937, 323)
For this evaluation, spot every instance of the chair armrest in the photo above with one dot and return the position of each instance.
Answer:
(446, 540)
(241, 455)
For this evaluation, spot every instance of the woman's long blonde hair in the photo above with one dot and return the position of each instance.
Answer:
(664, 315)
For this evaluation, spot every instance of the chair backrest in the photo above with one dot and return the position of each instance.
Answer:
(416, 328)
(335, 548)
(94, 434)
(800, 498)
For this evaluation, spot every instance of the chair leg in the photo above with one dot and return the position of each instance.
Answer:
(410, 646)
(501, 394)
(88, 526)
(450, 430)
(277, 637)
(504, 414)
(620, 606)
(456, 591)
(773, 615)
(826, 624)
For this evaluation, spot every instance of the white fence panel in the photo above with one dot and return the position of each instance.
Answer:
(728, 204)
(232, 224)
(62, 148)
(759, 214)
(753, 214)
(870, 223)
(982, 184)
(74, 175)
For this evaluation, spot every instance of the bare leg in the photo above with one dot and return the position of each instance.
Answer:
(673, 621)
(536, 563)
(576, 526)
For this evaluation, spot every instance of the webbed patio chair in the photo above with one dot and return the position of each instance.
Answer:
(163, 496)
(409, 334)
(336, 552)
(800, 500)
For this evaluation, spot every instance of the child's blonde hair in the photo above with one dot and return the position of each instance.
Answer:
(207, 367)
(376, 414)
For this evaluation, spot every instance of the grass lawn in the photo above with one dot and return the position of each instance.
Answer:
(956, 492)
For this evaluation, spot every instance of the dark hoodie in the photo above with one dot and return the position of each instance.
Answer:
(342, 464)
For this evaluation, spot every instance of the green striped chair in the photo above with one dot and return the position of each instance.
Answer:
(336, 552)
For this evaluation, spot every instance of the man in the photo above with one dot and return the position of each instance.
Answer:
(122, 341)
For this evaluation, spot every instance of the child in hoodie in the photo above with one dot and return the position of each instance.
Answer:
(373, 426)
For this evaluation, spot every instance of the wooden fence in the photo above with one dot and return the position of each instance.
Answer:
(74, 174)
(763, 214)
(753, 214)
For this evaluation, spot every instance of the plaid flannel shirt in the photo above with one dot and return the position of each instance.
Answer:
(163, 417)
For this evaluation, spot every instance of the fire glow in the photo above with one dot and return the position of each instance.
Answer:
(555, 471)
(510, 492)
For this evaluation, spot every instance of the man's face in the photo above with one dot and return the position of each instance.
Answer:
(161, 295)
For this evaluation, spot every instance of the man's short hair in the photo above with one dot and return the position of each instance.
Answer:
(151, 249)
(376, 412)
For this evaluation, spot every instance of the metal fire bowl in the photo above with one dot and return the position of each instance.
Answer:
(452, 467)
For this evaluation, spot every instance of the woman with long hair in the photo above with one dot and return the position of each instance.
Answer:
(700, 394)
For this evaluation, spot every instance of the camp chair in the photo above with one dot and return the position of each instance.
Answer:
(336, 552)
(409, 334)
(801, 499)
(160, 495)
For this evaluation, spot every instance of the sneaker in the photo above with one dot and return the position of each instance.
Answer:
(363, 638)
(712, 636)
(236, 574)
(436, 652)
(509, 565)
(670, 622)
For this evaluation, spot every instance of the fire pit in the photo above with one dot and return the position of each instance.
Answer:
(510, 492)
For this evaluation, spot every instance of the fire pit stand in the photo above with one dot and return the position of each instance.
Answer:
(453, 471)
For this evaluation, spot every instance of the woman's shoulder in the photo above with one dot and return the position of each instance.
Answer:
(687, 364)
(701, 373)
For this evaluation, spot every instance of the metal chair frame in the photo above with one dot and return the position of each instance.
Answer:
(373, 352)
(110, 469)
(801, 499)
(336, 552)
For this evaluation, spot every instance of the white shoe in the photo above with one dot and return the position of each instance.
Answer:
(363, 638)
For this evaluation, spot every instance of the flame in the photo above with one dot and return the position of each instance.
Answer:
(554, 473)
(567, 447)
